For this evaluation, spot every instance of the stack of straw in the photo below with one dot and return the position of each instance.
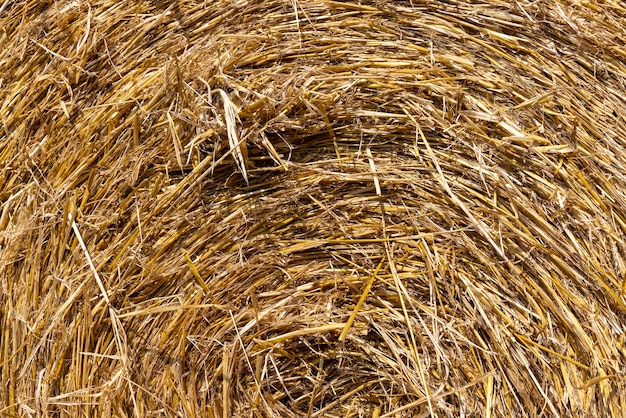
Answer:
(312, 208)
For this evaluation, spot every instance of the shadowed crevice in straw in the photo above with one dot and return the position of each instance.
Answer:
(312, 208)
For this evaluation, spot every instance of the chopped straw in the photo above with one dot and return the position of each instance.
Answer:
(298, 208)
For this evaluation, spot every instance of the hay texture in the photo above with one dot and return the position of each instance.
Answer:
(298, 208)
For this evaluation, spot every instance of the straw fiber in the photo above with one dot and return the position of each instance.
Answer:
(312, 208)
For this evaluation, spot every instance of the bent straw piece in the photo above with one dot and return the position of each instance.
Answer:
(356, 309)
(237, 147)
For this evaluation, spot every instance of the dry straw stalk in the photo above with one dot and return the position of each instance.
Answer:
(299, 208)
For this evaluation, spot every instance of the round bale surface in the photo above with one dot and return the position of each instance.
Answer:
(312, 208)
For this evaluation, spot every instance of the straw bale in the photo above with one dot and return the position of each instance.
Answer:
(312, 208)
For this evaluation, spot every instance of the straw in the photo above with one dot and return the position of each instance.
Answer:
(299, 208)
